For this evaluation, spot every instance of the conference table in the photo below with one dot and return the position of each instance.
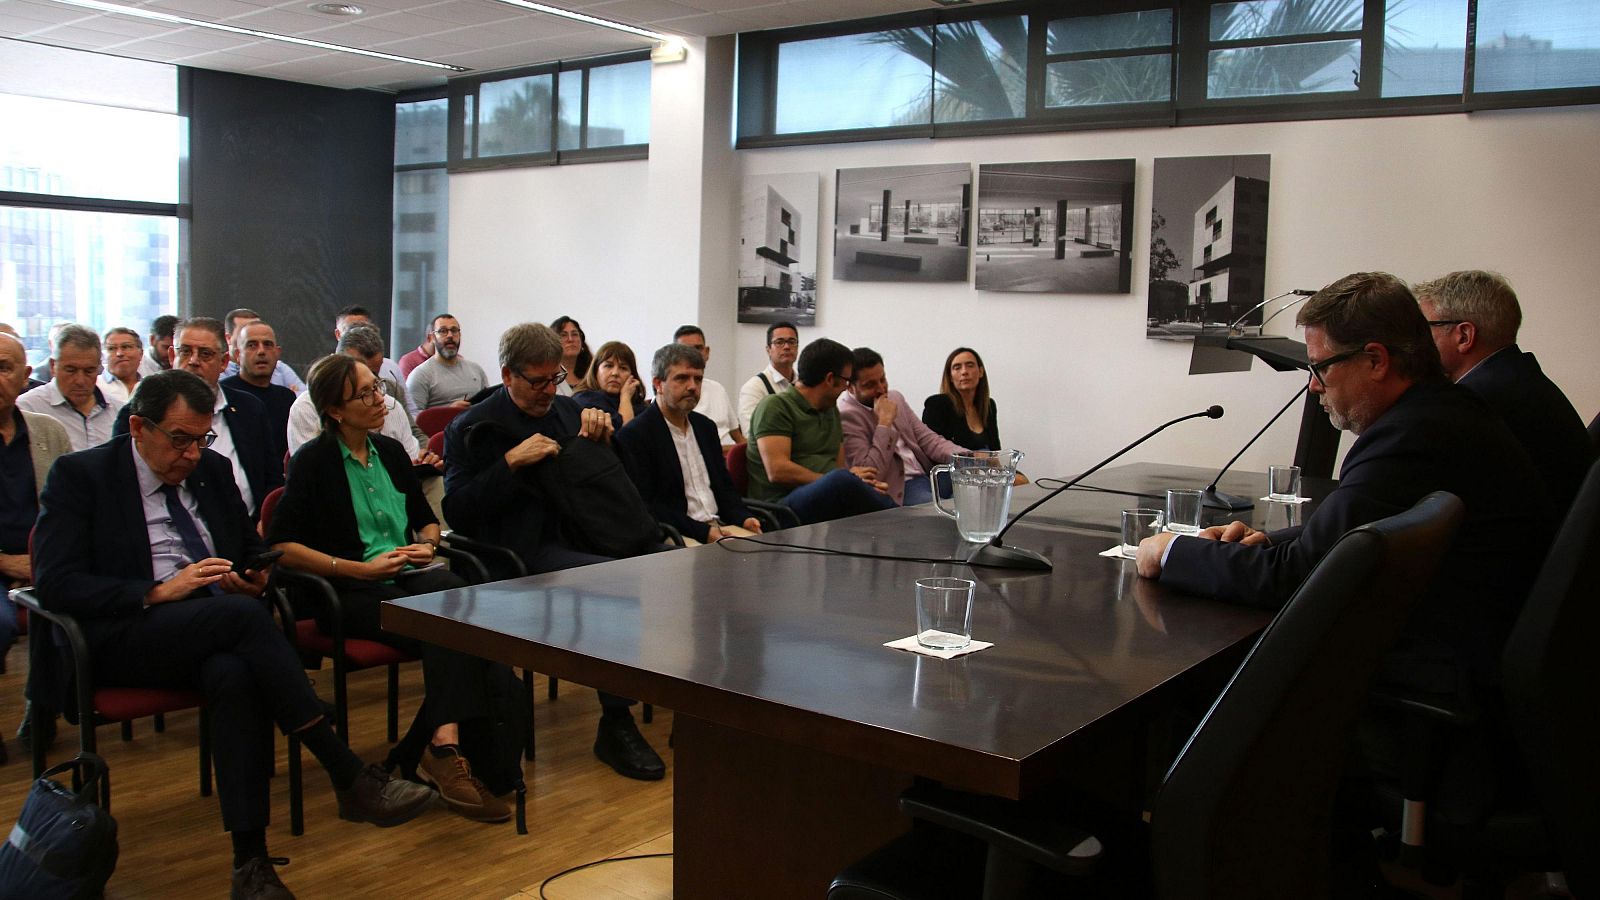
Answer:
(795, 729)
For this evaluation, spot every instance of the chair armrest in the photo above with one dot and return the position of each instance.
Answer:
(671, 535)
(322, 589)
(1445, 709)
(462, 562)
(486, 551)
(1008, 826)
(775, 514)
(38, 641)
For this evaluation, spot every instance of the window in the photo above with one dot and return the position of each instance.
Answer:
(1275, 47)
(1526, 46)
(421, 218)
(1096, 60)
(853, 81)
(586, 110)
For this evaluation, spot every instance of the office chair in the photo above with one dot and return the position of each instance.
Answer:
(1245, 811)
(773, 516)
(435, 419)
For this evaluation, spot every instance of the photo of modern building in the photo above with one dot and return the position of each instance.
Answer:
(1208, 242)
(902, 223)
(777, 254)
(1055, 227)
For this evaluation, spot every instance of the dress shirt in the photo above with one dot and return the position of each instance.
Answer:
(305, 423)
(167, 553)
(84, 431)
(113, 388)
(148, 365)
(696, 480)
(753, 392)
(282, 376)
(901, 451)
(392, 372)
(226, 446)
(715, 405)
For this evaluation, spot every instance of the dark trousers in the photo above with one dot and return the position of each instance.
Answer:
(553, 557)
(229, 649)
(834, 496)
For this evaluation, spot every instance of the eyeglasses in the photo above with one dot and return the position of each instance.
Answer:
(372, 395)
(205, 354)
(539, 384)
(181, 442)
(1318, 369)
(785, 342)
(1446, 323)
(446, 332)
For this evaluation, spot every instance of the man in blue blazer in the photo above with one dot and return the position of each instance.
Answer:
(1474, 316)
(245, 436)
(674, 454)
(138, 539)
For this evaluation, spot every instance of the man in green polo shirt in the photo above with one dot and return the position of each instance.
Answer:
(796, 449)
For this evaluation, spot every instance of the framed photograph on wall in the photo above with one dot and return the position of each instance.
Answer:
(1208, 242)
(778, 248)
(1055, 227)
(902, 223)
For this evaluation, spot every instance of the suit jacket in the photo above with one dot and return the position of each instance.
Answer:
(865, 444)
(1436, 437)
(48, 442)
(1539, 416)
(651, 457)
(260, 452)
(316, 509)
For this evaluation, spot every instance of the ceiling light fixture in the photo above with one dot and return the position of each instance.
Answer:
(337, 9)
(151, 15)
(586, 19)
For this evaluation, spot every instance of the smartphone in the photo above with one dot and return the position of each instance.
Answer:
(257, 562)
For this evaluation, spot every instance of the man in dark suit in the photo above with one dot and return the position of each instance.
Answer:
(243, 428)
(674, 454)
(488, 495)
(256, 346)
(137, 539)
(1474, 316)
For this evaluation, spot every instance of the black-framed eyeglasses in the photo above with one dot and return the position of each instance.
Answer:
(1446, 323)
(182, 442)
(446, 332)
(205, 354)
(372, 395)
(1318, 369)
(785, 342)
(539, 384)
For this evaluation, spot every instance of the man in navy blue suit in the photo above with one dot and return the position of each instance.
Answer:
(674, 454)
(137, 539)
(1475, 316)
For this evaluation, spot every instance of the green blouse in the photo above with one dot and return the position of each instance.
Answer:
(380, 506)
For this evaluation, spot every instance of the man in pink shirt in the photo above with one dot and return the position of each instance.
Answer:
(881, 431)
(422, 352)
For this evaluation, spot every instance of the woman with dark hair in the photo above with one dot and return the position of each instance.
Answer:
(353, 512)
(612, 384)
(575, 354)
(963, 411)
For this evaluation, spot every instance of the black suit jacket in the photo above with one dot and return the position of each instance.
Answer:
(1436, 437)
(1539, 415)
(651, 458)
(259, 453)
(316, 509)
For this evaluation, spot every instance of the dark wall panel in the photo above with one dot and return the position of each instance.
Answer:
(291, 197)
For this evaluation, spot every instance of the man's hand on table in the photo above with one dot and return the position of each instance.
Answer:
(1154, 548)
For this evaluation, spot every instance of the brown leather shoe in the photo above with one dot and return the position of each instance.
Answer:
(381, 800)
(449, 772)
(257, 880)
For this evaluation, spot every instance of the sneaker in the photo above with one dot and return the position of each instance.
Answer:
(258, 880)
(381, 800)
(619, 745)
(449, 772)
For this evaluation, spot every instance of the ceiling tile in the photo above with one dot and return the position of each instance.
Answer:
(469, 12)
(634, 12)
(205, 10)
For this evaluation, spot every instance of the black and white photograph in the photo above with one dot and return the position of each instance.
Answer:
(778, 248)
(1208, 243)
(903, 223)
(1055, 227)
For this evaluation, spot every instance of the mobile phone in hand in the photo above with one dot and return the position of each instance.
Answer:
(257, 562)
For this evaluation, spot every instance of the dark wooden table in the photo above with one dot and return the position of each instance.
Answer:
(795, 729)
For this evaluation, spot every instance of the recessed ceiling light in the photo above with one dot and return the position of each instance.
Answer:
(337, 9)
(167, 18)
(586, 19)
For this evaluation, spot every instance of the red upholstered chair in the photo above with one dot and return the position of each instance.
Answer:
(773, 516)
(436, 444)
(434, 419)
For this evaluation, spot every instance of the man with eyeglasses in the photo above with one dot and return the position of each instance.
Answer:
(1475, 316)
(364, 342)
(360, 315)
(281, 375)
(138, 539)
(72, 396)
(124, 355)
(783, 347)
(447, 378)
(487, 497)
(255, 346)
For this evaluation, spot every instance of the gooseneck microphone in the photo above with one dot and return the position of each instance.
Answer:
(996, 554)
(1215, 499)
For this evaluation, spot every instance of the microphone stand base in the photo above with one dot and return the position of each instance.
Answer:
(999, 556)
(1215, 499)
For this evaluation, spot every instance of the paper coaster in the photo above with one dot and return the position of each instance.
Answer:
(1295, 501)
(910, 643)
(1115, 553)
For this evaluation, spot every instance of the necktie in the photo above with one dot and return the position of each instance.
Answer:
(193, 544)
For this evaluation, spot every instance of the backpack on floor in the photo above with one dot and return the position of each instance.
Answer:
(64, 844)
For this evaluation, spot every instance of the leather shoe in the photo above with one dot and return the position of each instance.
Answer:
(381, 800)
(25, 730)
(619, 745)
(257, 880)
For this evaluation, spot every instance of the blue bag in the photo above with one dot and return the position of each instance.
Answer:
(65, 843)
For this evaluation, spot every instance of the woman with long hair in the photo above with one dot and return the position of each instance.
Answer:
(612, 384)
(575, 354)
(963, 411)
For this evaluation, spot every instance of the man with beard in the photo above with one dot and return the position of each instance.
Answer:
(447, 377)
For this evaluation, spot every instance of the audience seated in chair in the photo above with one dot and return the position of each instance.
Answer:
(446, 378)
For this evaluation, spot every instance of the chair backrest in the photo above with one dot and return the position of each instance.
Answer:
(434, 419)
(436, 444)
(269, 506)
(1245, 810)
(738, 468)
(1550, 671)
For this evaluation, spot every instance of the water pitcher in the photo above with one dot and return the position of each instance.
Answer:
(981, 488)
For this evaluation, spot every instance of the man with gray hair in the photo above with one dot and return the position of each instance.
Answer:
(1474, 316)
(72, 396)
(488, 495)
(364, 342)
(674, 455)
(124, 354)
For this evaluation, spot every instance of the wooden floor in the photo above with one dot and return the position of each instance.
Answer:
(173, 845)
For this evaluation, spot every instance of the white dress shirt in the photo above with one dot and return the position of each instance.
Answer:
(753, 392)
(696, 480)
(305, 423)
(714, 405)
(113, 388)
(84, 431)
(225, 446)
(167, 552)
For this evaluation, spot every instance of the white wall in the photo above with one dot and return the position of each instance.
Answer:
(623, 247)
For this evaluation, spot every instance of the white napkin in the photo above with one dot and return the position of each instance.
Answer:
(1294, 501)
(910, 643)
(1114, 553)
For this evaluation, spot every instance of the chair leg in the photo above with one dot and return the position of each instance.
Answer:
(649, 713)
(341, 705)
(161, 722)
(39, 716)
(297, 813)
(527, 681)
(127, 729)
(554, 682)
(394, 703)
(205, 752)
